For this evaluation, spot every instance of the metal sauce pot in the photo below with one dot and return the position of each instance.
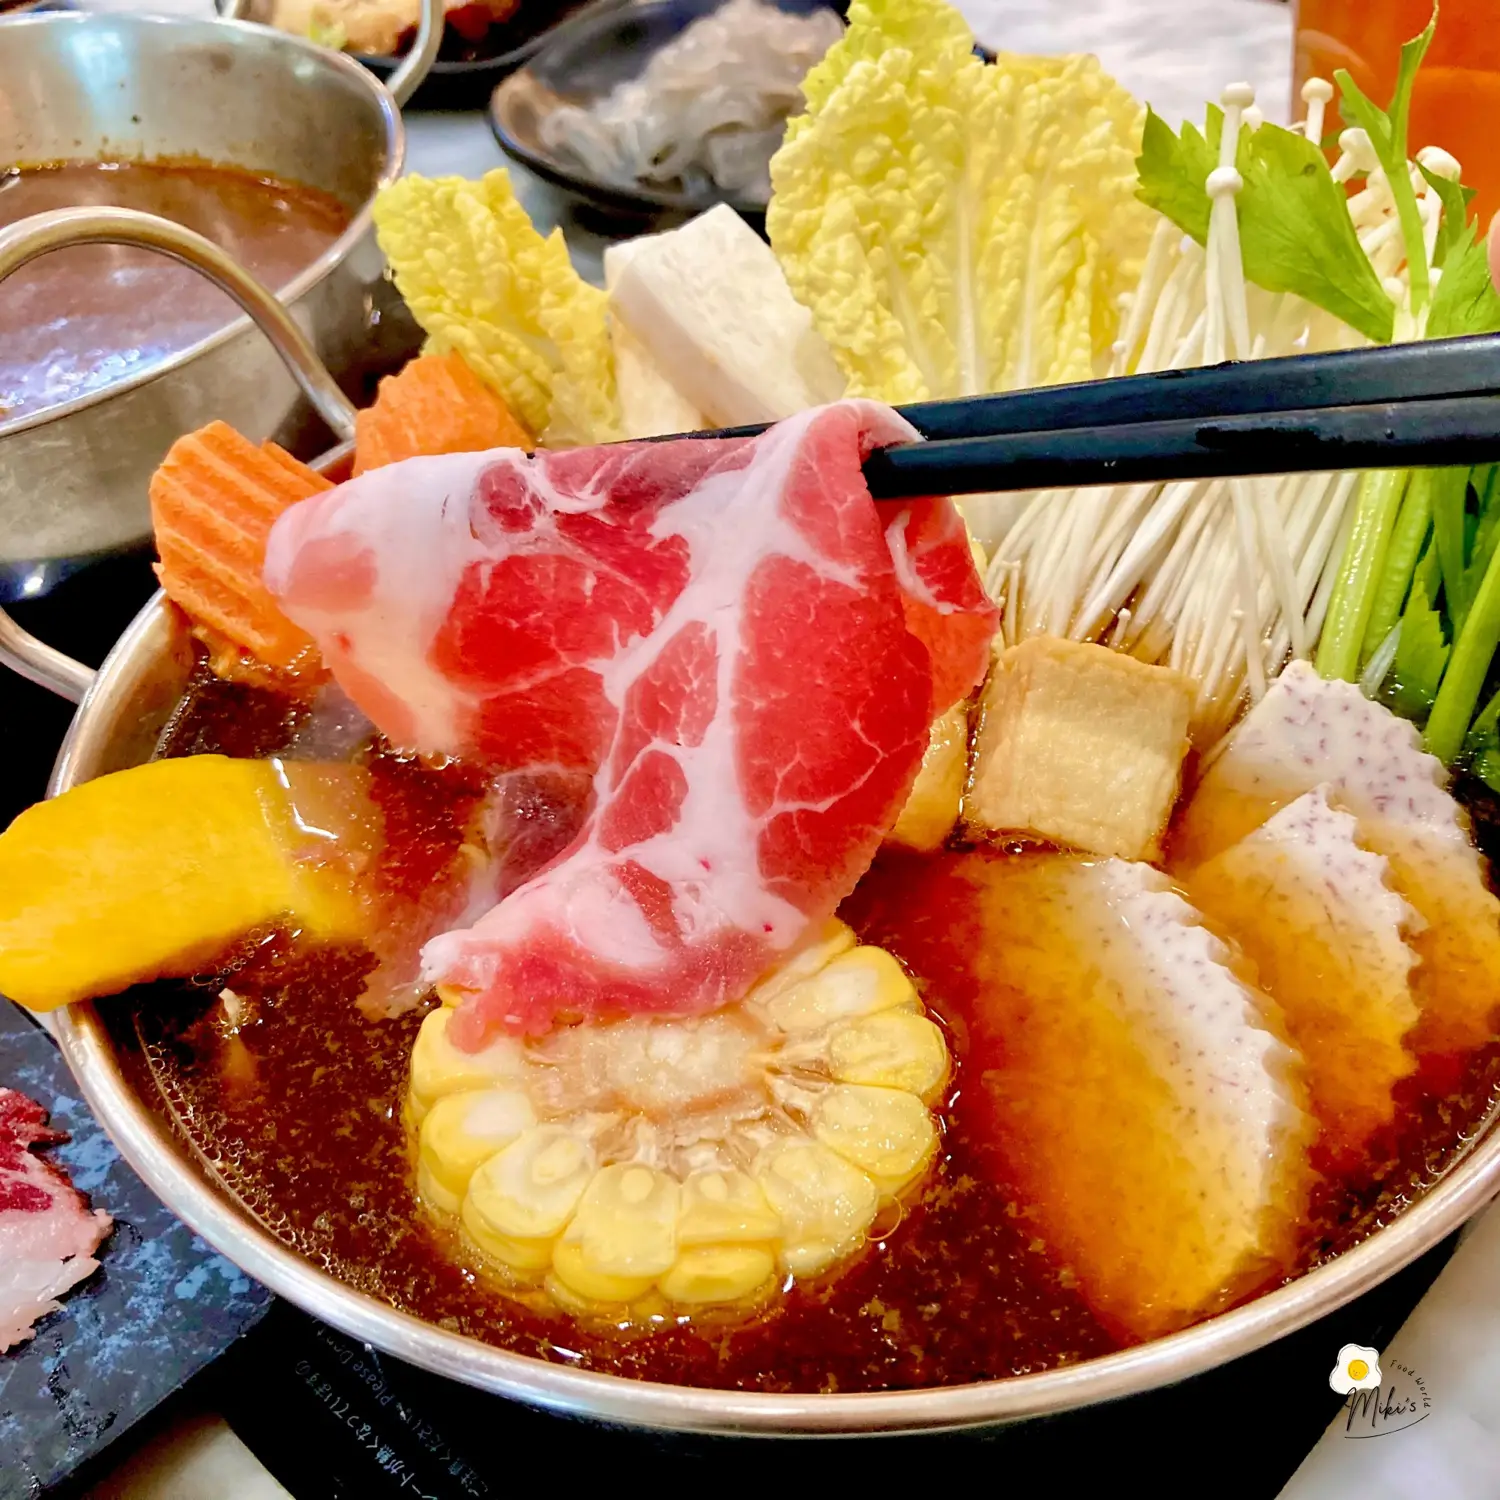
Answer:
(109, 87)
(122, 709)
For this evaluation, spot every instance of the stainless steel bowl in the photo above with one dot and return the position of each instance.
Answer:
(84, 87)
(121, 711)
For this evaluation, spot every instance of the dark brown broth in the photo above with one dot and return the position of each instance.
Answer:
(74, 321)
(298, 1113)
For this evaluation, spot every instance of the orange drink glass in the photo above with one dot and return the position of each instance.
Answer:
(1457, 99)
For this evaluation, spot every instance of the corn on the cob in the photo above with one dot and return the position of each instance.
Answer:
(626, 1168)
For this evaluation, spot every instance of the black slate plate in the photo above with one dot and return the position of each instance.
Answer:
(161, 1306)
(581, 63)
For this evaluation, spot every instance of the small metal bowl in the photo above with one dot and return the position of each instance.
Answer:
(460, 82)
(73, 87)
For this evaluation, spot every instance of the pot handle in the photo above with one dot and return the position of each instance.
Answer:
(412, 68)
(417, 63)
(26, 239)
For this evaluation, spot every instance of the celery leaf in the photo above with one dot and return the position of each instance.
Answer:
(1455, 198)
(1173, 170)
(1387, 130)
(1295, 231)
(1465, 300)
(1421, 656)
(1296, 234)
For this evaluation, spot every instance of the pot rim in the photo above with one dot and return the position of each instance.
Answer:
(313, 273)
(165, 1163)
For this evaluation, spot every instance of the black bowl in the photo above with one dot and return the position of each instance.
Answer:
(465, 73)
(582, 62)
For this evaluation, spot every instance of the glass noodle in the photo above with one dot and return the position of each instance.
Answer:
(708, 110)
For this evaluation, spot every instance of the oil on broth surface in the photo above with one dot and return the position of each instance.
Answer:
(297, 1110)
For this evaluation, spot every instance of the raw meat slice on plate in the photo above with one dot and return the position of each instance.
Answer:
(732, 639)
(48, 1234)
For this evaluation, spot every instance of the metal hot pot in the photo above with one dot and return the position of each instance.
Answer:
(120, 87)
(121, 709)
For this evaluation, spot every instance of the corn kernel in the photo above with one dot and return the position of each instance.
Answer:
(530, 1190)
(718, 1273)
(932, 805)
(571, 1267)
(438, 1068)
(895, 1050)
(860, 982)
(835, 938)
(626, 1224)
(461, 1132)
(884, 1132)
(825, 1203)
(527, 1257)
(725, 1208)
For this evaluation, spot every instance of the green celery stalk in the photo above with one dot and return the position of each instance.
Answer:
(1400, 562)
(1474, 649)
(1450, 488)
(1477, 548)
(1484, 725)
(1487, 768)
(1379, 502)
(1387, 129)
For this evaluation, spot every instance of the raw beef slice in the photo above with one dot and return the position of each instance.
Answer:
(732, 639)
(48, 1234)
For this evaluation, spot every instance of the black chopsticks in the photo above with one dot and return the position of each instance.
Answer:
(1356, 377)
(1459, 430)
(1419, 405)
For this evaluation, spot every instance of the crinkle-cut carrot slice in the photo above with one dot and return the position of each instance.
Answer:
(437, 404)
(213, 502)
